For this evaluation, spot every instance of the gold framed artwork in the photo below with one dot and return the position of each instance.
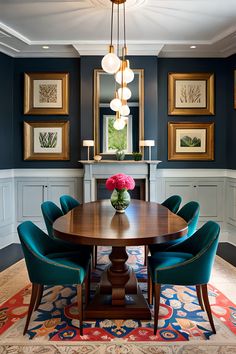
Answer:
(46, 140)
(191, 94)
(46, 93)
(190, 141)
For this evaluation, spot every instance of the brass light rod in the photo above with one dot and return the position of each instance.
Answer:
(118, 2)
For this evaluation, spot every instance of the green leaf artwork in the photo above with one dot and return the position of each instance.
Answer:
(117, 139)
(48, 139)
(187, 141)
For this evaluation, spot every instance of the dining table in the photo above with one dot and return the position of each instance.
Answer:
(97, 223)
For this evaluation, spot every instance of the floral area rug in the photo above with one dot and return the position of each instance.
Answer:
(180, 317)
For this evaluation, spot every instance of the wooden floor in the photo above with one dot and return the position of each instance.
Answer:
(10, 255)
(227, 251)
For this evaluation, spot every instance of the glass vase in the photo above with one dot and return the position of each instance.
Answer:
(120, 155)
(120, 200)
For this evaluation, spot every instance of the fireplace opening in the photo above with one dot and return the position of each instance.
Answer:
(137, 193)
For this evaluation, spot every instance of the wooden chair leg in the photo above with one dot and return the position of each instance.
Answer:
(95, 254)
(80, 306)
(87, 286)
(34, 293)
(157, 305)
(150, 289)
(199, 296)
(39, 296)
(146, 250)
(207, 306)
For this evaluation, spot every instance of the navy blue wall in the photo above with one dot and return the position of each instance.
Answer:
(47, 65)
(231, 119)
(219, 68)
(6, 106)
(81, 107)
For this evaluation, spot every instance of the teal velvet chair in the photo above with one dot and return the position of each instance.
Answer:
(48, 264)
(190, 213)
(173, 203)
(68, 203)
(188, 263)
(51, 212)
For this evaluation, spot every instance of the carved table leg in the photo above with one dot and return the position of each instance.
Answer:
(118, 274)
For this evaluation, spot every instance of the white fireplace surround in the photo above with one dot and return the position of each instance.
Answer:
(103, 169)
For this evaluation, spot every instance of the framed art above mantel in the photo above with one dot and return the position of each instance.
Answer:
(191, 94)
(46, 93)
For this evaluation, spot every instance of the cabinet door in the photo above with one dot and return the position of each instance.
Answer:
(57, 188)
(211, 200)
(231, 203)
(30, 196)
(6, 203)
(183, 188)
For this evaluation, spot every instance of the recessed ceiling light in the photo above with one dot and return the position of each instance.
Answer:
(45, 47)
(193, 47)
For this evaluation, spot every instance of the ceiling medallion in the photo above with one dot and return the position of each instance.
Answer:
(129, 3)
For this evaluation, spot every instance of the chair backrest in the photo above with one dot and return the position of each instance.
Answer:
(68, 203)
(190, 213)
(34, 244)
(173, 203)
(196, 270)
(51, 212)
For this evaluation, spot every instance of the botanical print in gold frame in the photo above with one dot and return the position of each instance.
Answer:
(46, 93)
(46, 140)
(191, 94)
(190, 141)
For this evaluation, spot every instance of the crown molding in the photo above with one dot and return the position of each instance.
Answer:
(23, 47)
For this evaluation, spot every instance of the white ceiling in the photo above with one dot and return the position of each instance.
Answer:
(165, 28)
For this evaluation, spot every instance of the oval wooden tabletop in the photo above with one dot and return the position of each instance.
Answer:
(97, 223)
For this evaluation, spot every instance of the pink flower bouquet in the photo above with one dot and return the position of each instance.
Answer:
(120, 181)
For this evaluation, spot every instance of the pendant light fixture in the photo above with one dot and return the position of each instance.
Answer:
(119, 66)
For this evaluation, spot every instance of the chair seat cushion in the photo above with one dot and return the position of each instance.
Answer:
(73, 261)
(66, 253)
(162, 247)
(161, 260)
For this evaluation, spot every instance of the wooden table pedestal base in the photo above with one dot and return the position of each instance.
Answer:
(102, 305)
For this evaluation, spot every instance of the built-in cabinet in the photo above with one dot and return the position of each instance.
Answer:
(22, 196)
(231, 201)
(32, 192)
(6, 199)
(208, 192)
(7, 211)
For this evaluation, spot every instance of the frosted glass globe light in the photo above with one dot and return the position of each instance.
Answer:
(115, 104)
(124, 110)
(128, 76)
(124, 93)
(119, 124)
(111, 63)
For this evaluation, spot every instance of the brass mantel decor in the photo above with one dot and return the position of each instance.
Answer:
(191, 94)
(46, 140)
(46, 93)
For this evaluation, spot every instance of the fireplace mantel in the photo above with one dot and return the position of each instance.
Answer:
(105, 168)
